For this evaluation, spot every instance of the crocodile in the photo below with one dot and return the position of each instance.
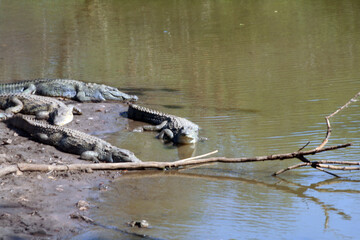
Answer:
(172, 128)
(72, 141)
(67, 88)
(43, 107)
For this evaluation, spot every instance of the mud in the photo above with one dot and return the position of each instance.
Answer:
(37, 205)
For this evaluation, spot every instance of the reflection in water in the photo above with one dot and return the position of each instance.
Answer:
(173, 106)
(186, 151)
(147, 89)
(143, 91)
(156, 208)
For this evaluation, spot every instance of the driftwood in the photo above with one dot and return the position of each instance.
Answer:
(195, 161)
(201, 160)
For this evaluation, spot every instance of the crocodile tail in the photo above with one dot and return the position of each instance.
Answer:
(144, 114)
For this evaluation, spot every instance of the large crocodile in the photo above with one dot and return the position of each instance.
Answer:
(67, 88)
(55, 111)
(172, 128)
(72, 141)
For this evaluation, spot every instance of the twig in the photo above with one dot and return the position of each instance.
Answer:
(328, 132)
(305, 160)
(304, 146)
(321, 146)
(320, 164)
(197, 157)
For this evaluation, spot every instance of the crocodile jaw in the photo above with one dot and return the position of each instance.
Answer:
(187, 136)
(111, 93)
(123, 155)
(186, 140)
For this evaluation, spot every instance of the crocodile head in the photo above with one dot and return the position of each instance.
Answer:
(61, 116)
(101, 92)
(187, 135)
(124, 155)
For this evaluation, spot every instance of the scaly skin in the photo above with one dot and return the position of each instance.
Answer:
(67, 88)
(176, 129)
(72, 141)
(43, 107)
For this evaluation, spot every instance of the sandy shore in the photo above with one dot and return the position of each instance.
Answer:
(38, 205)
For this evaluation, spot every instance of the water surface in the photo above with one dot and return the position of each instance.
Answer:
(258, 77)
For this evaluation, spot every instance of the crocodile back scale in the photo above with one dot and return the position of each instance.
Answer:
(72, 141)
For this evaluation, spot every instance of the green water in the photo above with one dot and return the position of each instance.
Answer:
(258, 77)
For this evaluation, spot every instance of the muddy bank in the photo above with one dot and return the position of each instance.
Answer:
(38, 205)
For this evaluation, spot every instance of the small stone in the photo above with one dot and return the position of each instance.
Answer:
(81, 217)
(103, 187)
(15, 134)
(19, 173)
(82, 205)
(24, 199)
(131, 223)
(7, 141)
(39, 177)
(144, 224)
(140, 224)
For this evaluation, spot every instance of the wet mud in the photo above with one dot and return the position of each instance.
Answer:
(38, 205)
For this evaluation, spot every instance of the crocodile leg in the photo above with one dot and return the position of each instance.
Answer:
(93, 155)
(98, 97)
(90, 155)
(10, 111)
(166, 134)
(42, 137)
(151, 127)
(156, 127)
(44, 115)
(75, 110)
(31, 89)
(18, 106)
(80, 96)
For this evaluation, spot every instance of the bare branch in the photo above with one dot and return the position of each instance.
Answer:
(328, 133)
(322, 165)
(304, 159)
(158, 165)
